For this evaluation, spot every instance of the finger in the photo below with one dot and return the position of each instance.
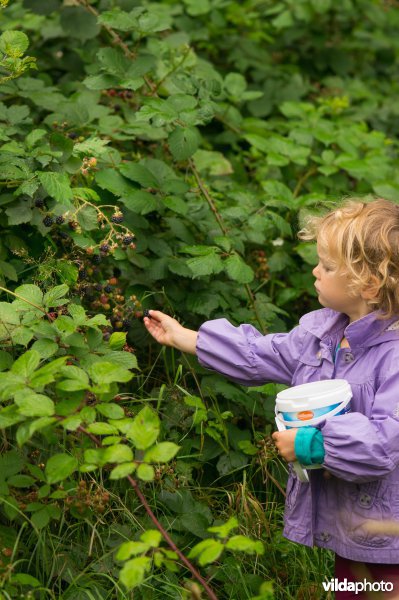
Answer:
(275, 435)
(158, 315)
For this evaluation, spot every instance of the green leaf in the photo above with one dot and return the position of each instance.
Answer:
(31, 293)
(224, 530)
(118, 453)
(34, 405)
(111, 410)
(244, 544)
(123, 470)
(54, 294)
(129, 549)
(106, 372)
(56, 185)
(117, 340)
(45, 347)
(79, 23)
(145, 428)
(197, 7)
(208, 264)
(183, 142)
(14, 43)
(8, 314)
(76, 379)
(87, 218)
(213, 162)
(101, 429)
(26, 364)
(41, 518)
(6, 360)
(208, 551)
(134, 571)
(21, 481)
(237, 270)
(140, 174)
(59, 467)
(145, 472)
(152, 537)
(162, 452)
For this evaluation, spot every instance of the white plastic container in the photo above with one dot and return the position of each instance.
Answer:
(311, 403)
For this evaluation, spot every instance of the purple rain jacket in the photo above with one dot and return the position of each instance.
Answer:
(361, 447)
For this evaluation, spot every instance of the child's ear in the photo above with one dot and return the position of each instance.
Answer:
(372, 289)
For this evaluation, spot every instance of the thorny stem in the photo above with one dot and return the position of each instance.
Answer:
(224, 230)
(158, 525)
(116, 39)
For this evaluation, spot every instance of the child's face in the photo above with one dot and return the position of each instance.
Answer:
(332, 286)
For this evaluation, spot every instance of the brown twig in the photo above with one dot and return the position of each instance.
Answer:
(210, 593)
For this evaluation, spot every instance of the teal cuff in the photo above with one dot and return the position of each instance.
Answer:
(309, 446)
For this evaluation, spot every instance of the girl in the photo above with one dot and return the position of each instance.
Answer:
(353, 507)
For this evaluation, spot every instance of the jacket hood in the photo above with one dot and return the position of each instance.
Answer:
(363, 333)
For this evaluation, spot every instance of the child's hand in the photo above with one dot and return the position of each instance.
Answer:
(162, 327)
(285, 443)
(167, 331)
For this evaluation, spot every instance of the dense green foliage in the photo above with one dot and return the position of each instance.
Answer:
(163, 155)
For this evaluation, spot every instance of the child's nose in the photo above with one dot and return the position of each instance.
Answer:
(315, 271)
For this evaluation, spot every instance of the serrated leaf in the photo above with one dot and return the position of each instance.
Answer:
(26, 364)
(106, 372)
(117, 340)
(101, 429)
(122, 470)
(134, 571)
(162, 452)
(111, 410)
(244, 544)
(145, 472)
(118, 453)
(145, 428)
(87, 218)
(128, 549)
(56, 185)
(56, 293)
(31, 404)
(184, 142)
(208, 264)
(59, 467)
(8, 314)
(31, 293)
(238, 270)
(14, 43)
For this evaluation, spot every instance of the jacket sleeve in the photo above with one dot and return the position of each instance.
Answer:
(246, 356)
(359, 448)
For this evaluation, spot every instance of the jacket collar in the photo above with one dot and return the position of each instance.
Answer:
(365, 332)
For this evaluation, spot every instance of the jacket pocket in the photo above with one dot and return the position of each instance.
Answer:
(367, 506)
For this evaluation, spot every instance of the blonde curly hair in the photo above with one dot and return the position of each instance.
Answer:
(362, 239)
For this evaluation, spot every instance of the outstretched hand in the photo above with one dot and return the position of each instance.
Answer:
(162, 327)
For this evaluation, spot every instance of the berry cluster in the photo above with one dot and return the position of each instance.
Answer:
(87, 499)
(88, 164)
(123, 94)
(262, 268)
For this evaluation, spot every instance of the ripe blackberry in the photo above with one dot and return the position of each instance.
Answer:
(126, 323)
(82, 274)
(39, 203)
(96, 259)
(117, 218)
(59, 220)
(99, 287)
(128, 239)
(72, 135)
(108, 289)
(48, 221)
(104, 248)
(146, 313)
